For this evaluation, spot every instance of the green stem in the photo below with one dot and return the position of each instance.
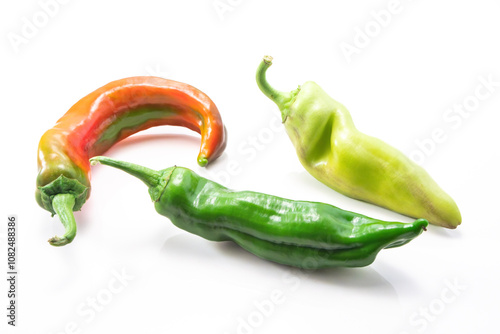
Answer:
(155, 180)
(149, 176)
(278, 97)
(63, 205)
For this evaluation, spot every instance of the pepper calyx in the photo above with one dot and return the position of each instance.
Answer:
(63, 185)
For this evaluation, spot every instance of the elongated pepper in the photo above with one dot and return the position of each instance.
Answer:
(103, 118)
(357, 165)
(296, 233)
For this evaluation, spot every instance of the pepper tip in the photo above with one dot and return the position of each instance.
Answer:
(202, 161)
(423, 223)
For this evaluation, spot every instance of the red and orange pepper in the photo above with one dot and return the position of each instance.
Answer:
(103, 118)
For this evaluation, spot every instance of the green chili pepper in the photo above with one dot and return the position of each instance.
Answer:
(362, 167)
(296, 233)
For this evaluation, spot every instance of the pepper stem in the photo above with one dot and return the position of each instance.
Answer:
(63, 205)
(278, 97)
(149, 176)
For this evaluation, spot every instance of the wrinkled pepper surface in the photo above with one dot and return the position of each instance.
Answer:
(103, 118)
(297, 233)
(357, 165)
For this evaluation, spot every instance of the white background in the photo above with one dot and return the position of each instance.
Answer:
(398, 87)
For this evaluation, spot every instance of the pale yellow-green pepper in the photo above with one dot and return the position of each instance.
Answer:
(357, 165)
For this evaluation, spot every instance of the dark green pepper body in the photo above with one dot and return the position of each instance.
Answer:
(297, 233)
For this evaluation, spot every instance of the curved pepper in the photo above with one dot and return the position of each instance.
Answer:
(106, 116)
(296, 233)
(362, 167)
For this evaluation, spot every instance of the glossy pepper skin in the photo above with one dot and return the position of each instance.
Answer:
(296, 233)
(357, 165)
(103, 118)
